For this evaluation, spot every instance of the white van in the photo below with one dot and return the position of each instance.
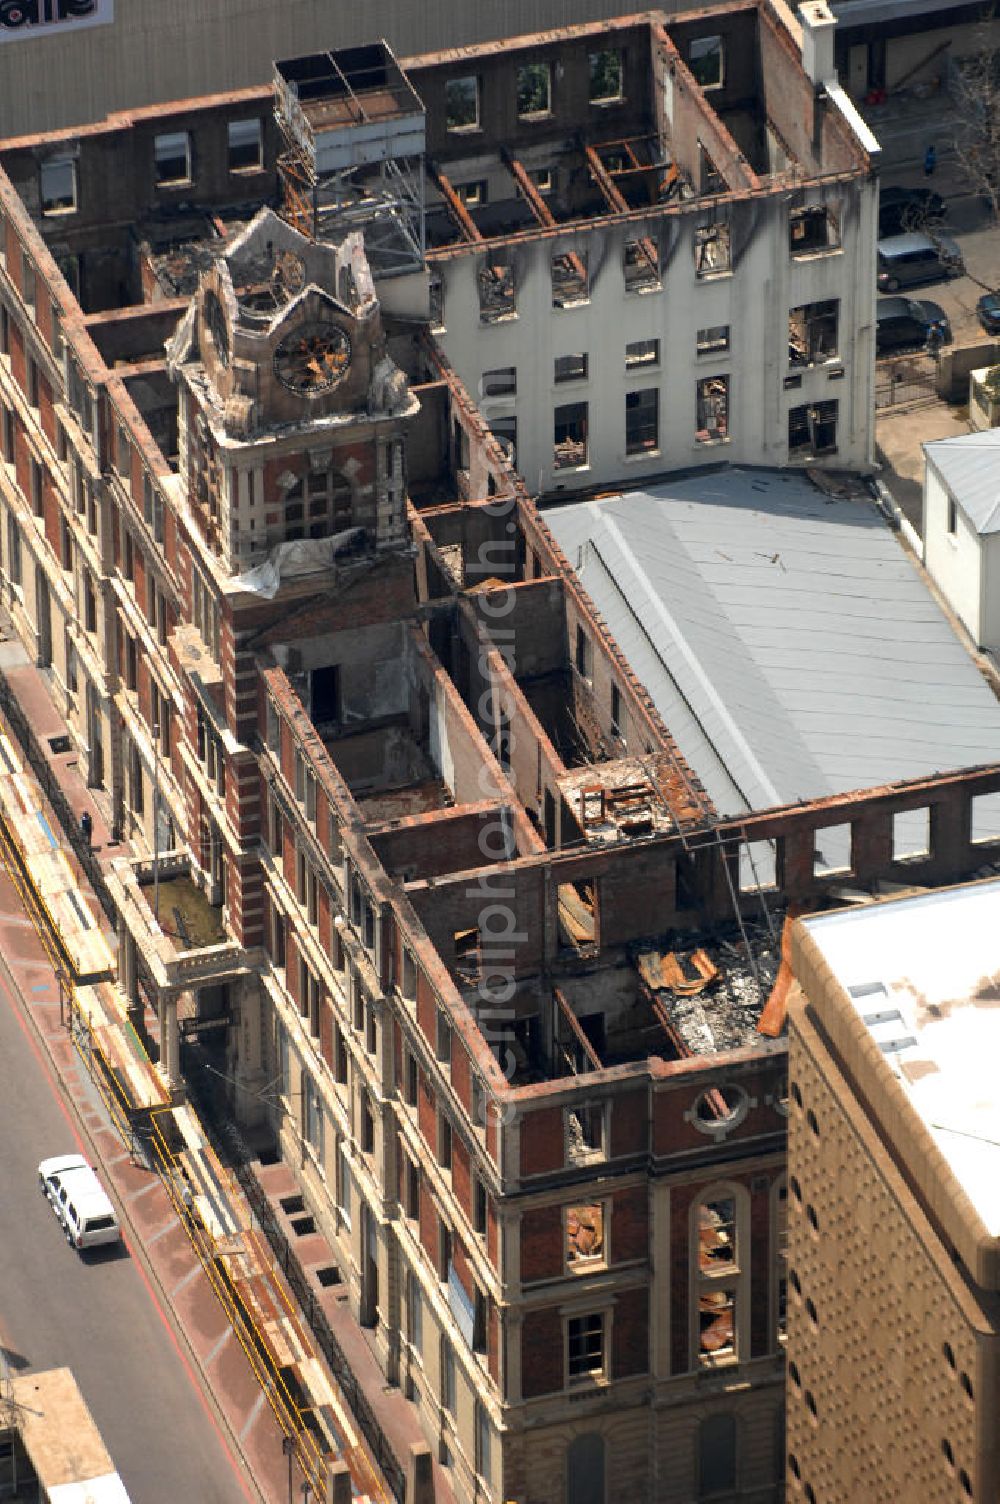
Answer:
(79, 1201)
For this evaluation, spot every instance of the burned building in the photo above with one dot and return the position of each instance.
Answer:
(474, 931)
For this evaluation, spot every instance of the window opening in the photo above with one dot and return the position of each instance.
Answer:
(812, 429)
(713, 340)
(812, 333)
(712, 250)
(705, 59)
(461, 101)
(497, 293)
(58, 185)
(813, 228)
(642, 352)
(534, 90)
(501, 382)
(569, 437)
(712, 419)
(571, 367)
(172, 158)
(585, 1337)
(585, 1235)
(606, 76)
(641, 265)
(642, 421)
(585, 1133)
(570, 282)
(246, 146)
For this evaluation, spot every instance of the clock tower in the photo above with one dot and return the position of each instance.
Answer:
(291, 410)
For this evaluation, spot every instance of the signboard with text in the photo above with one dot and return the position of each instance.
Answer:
(20, 19)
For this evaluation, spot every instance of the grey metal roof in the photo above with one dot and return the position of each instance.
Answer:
(785, 637)
(969, 465)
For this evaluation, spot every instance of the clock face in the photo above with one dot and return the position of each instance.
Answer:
(215, 322)
(313, 359)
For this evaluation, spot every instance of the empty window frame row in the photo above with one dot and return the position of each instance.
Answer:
(531, 84)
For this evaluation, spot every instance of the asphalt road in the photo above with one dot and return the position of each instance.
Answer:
(94, 1313)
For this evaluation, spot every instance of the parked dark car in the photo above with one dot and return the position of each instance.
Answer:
(988, 309)
(905, 323)
(902, 209)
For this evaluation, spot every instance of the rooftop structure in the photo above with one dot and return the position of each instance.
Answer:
(500, 963)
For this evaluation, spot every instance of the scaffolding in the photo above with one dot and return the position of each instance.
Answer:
(354, 159)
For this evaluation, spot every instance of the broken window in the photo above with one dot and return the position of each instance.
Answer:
(570, 282)
(705, 59)
(911, 834)
(780, 1205)
(569, 437)
(500, 383)
(534, 90)
(642, 352)
(710, 177)
(577, 904)
(714, 340)
(497, 293)
(505, 432)
(584, 1234)
(461, 100)
(605, 76)
(984, 817)
(473, 195)
(952, 516)
(582, 654)
(246, 146)
(831, 850)
(585, 1346)
(812, 429)
(712, 418)
(543, 178)
(812, 333)
(712, 249)
(585, 1133)
(813, 228)
(717, 1277)
(642, 421)
(435, 293)
(758, 866)
(642, 265)
(58, 185)
(172, 158)
(571, 367)
(717, 1234)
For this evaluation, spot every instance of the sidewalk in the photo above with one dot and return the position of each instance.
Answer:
(161, 1237)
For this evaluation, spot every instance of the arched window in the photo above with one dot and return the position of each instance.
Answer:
(716, 1456)
(318, 506)
(720, 1262)
(585, 1468)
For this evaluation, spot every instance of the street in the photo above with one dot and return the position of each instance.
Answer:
(95, 1313)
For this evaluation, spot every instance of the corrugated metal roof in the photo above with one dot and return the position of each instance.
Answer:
(969, 465)
(785, 637)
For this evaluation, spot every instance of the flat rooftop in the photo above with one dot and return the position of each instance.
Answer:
(924, 976)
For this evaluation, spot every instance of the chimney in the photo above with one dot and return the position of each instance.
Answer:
(818, 26)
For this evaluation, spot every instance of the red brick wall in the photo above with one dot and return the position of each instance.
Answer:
(542, 1253)
(630, 1337)
(629, 1123)
(629, 1224)
(541, 1353)
(542, 1148)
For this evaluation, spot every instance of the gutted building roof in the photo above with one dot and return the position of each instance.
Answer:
(967, 464)
(784, 636)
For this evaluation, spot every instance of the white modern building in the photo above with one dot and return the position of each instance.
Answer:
(654, 245)
(961, 529)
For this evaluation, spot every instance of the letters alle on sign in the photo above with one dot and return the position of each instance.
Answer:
(33, 18)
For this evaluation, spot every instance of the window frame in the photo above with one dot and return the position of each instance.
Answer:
(162, 153)
(732, 1278)
(466, 125)
(245, 167)
(58, 207)
(587, 1377)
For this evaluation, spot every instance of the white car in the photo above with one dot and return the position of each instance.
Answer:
(79, 1201)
